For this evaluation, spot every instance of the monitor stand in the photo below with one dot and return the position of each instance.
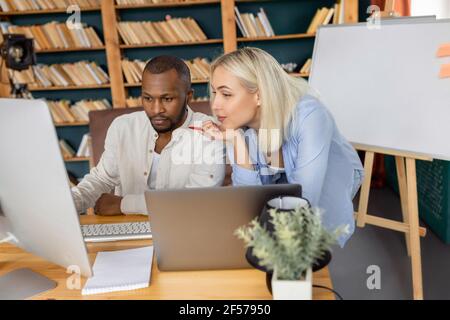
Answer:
(23, 283)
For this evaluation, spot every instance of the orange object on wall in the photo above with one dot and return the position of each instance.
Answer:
(403, 7)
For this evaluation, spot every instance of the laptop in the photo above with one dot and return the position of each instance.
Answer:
(193, 229)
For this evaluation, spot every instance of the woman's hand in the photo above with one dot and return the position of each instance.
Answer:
(236, 137)
(217, 132)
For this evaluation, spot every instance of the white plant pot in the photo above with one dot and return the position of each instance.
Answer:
(292, 289)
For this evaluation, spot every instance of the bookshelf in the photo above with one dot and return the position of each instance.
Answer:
(41, 12)
(167, 5)
(289, 18)
(77, 159)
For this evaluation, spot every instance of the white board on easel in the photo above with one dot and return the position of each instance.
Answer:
(383, 87)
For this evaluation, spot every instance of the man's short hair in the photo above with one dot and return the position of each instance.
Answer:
(161, 64)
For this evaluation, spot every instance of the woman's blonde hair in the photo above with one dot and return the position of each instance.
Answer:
(278, 91)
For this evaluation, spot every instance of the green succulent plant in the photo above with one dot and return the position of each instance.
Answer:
(298, 240)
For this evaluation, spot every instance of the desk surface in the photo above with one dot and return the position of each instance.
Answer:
(220, 284)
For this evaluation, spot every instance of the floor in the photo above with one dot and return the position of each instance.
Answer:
(374, 251)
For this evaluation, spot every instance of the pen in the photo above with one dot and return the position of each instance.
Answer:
(196, 128)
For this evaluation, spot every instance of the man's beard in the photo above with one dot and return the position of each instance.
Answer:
(173, 124)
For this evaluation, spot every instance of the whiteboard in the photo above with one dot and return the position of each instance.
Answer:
(383, 87)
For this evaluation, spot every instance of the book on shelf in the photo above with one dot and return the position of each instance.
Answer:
(172, 30)
(84, 150)
(252, 26)
(64, 113)
(144, 2)
(66, 150)
(134, 102)
(56, 35)
(325, 16)
(32, 5)
(306, 68)
(80, 73)
(132, 70)
(339, 16)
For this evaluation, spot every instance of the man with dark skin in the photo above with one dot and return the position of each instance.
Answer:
(166, 93)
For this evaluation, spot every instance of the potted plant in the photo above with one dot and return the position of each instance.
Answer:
(295, 241)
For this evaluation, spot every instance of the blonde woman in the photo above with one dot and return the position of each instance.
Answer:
(277, 132)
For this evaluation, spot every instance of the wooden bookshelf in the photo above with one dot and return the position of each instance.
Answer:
(115, 51)
(132, 85)
(191, 43)
(58, 88)
(299, 75)
(280, 37)
(168, 5)
(40, 12)
(72, 124)
(58, 50)
(77, 159)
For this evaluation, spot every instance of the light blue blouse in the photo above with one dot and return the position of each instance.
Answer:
(317, 157)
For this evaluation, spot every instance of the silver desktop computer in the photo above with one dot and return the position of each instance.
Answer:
(37, 212)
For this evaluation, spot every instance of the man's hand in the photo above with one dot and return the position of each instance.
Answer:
(108, 205)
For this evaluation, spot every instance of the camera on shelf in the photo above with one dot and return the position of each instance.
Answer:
(17, 52)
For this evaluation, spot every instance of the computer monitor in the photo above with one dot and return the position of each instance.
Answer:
(37, 211)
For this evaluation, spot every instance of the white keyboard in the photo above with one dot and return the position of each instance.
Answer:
(116, 231)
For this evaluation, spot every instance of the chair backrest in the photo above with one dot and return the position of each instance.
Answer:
(100, 120)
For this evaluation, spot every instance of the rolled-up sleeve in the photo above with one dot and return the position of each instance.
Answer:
(133, 204)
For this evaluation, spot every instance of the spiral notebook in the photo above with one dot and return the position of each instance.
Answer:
(120, 270)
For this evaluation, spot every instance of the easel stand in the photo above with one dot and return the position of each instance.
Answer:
(407, 181)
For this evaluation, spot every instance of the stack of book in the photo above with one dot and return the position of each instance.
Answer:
(62, 112)
(66, 150)
(82, 108)
(143, 2)
(133, 70)
(199, 68)
(31, 5)
(133, 102)
(306, 69)
(172, 30)
(55, 35)
(253, 27)
(81, 73)
(326, 16)
(84, 149)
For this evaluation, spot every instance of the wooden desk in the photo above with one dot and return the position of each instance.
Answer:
(221, 284)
